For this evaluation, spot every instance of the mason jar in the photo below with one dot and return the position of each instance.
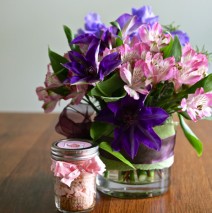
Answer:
(75, 164)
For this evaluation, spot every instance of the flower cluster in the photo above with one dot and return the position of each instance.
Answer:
(135, 74)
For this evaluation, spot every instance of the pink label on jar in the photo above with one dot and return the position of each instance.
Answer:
(73, 144)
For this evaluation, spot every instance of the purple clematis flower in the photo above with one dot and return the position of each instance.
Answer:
(128, 24)
(183, 37)
(86, 39)
(145, 15)
(87, 69)
(93, 25)
(133, 124)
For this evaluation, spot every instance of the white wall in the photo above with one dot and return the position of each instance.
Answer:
(27, 27)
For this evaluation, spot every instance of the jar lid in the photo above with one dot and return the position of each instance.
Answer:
(73, 149)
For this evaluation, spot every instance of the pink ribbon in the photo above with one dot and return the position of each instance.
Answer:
(69, 172)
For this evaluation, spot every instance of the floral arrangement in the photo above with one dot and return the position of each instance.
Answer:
(133, 74)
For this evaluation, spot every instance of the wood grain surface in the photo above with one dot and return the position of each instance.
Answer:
(26, 183)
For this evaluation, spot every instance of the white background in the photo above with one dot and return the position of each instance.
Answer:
(28, 27)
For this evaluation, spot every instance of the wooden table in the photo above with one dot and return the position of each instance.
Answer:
(26, 181)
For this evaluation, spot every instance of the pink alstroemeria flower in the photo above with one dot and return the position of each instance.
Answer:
(133, 52)
(128, 54)
(134, 78)
(77, 93)
(198, 105)
(154, 36)
(50, 98)
(157, 69)
(192, 67)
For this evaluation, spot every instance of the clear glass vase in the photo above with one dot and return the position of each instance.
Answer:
(146, 175)
(134, 183)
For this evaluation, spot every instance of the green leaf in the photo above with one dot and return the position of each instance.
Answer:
(119, 42)
(108, 87)
(100, 129)
(185, 115)
(166, 130)
(206, 83)
(118, 96)
(171, 27)
(95, 92)
(116, 24)
(56, 62)
(173, 49)
(162, 92)
(168, 49)
(192, 138)
(69, 35)
(105, 146)
(62, 90)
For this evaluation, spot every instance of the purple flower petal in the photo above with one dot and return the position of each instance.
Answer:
(119, 137)
(93, 52)
(105, 115)
(148, 137)
(77, 57)
(83, 39)
(75, 79)
(68, 65)
(123, 19)
(126, 101)
(74, 67)
(133, 142)
(183, 37)
(152, 116)
(93, 25)
(128, 24)
(126, 140)
(114, 106)
(108, 64)
(145, 15)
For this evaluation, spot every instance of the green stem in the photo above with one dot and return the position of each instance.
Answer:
(92, 105)
(106, 174)
(132, 176)
(142, 175)
(121, 176)
(150, 175)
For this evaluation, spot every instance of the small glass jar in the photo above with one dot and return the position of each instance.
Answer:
(73, 162)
